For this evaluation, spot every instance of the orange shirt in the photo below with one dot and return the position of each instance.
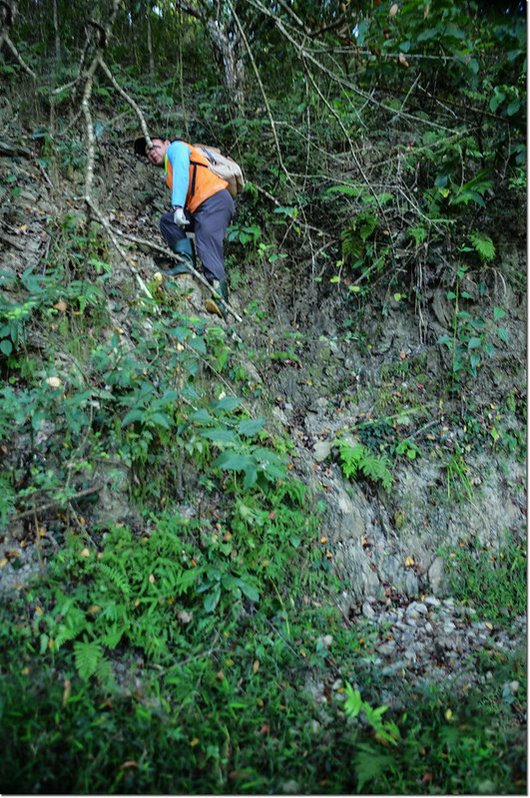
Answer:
(203, 183)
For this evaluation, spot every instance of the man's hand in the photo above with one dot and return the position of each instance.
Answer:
(179, 216)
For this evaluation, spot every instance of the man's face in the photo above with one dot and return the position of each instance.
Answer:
(157, 153)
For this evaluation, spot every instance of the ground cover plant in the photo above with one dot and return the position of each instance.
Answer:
(176, 615)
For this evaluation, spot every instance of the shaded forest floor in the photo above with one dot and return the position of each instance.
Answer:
(227, 547)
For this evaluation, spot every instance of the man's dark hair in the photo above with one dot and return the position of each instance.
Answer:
(140, 144)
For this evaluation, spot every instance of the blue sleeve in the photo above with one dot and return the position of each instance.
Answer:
(179, 157)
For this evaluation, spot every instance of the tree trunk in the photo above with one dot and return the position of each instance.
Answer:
(57, 36)
(149, 39)
(227, 47)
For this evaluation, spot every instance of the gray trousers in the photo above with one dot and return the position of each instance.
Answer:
(209, 223)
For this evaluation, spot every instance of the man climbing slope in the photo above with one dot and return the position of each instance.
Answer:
(201, 203)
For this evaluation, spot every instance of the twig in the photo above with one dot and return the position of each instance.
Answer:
(128, 98)
(305, 52)
(4, 39)
(175, 257)
(49, 505)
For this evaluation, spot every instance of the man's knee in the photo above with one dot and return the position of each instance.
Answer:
(171, 232)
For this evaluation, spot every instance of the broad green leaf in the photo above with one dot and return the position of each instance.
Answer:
(220, 435)
(211, 600)
(132, 416)
(200, 415)
(498, 314)
(227, 403)
(250, 426)
(249, 590)
(160, 420)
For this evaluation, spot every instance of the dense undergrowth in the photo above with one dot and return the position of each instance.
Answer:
(197, 645)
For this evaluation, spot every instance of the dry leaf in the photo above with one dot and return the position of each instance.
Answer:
(184, 617)
(85, 552)
(255, 667)
(67, 690)
(61, 305)
(53, 382)
(394, 8)
(151, 579)
(402, 60)
(426, 11)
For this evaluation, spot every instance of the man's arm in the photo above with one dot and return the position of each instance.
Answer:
(179, 157)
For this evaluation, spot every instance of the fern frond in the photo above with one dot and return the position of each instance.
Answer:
(376, 468)
(87, 658)
(75, 623)
(358, 458)
(483, 245)
(104, 673)
(113, 636)
(116, 577)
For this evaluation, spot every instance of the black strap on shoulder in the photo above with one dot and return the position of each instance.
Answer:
(195, 164)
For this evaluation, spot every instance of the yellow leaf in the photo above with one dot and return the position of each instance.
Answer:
(85, 553)
(67, 690)
(3, 562)
(448, 714)
(255, 667)
(409, 562)
(194, 742)
(151, 579)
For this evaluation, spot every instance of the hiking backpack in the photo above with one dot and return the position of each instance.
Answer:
(224, 167)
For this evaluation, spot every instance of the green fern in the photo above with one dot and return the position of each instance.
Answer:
(358, 458)
(74, 623)
(117, 578)
(483, 245)
(376, 468)
(113, 636)
(88, 658)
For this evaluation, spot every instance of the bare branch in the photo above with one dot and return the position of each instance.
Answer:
(189, 9)
(4, 39)
(128, 98)
(304, 52)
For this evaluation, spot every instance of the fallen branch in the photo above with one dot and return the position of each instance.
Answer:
(50, 505)
(172, 256)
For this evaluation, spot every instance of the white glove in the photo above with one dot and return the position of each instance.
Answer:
(179, 216)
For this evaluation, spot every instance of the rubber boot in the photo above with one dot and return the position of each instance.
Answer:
(183, 248)
(216, 304)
